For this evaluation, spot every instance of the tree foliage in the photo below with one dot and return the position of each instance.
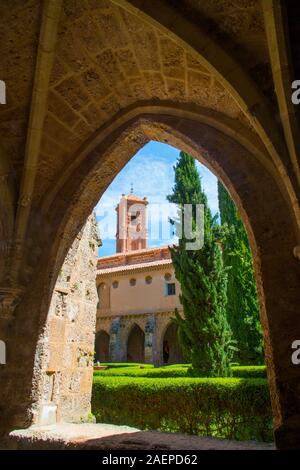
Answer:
(204, 333)
(242, 306)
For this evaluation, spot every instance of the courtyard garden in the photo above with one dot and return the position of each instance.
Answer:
(169, 399)
(220, 327)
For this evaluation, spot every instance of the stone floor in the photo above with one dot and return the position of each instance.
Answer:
(108, 436)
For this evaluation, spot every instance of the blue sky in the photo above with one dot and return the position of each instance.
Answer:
(151, 173)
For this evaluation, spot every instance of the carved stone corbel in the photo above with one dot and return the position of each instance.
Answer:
(9, 299)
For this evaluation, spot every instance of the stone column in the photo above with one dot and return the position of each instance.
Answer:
(116, 352)
(150, 341)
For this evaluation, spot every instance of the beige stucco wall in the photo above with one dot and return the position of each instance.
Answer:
(141, 298)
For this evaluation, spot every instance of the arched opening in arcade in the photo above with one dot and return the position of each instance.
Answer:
(101, 347)
(136, 350)
(171, 350)
(136, 345)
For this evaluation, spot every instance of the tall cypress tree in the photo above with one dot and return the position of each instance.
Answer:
(204, 333)
(242, 306)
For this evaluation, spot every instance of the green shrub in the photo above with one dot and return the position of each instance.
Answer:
(175, 366)
(175, 370)
(255, 372)
(230, 408)
(114, 365)
(159, 372)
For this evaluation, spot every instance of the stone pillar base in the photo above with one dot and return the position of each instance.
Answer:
(47, 414)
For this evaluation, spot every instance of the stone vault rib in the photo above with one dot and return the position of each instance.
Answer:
(45, 56)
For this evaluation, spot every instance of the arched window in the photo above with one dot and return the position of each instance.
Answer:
(148, 279)
(104, 295)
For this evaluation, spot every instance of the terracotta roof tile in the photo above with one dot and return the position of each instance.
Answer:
(135, 267)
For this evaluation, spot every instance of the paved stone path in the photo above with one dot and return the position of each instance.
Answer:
(108, 436)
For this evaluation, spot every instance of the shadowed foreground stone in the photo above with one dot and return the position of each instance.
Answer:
(109, 436)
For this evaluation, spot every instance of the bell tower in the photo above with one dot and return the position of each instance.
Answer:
(132, 232)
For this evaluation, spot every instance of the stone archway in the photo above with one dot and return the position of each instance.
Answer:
(136, 345)
(254, 185)
(102, 346)
(106, 80)
(171, 352)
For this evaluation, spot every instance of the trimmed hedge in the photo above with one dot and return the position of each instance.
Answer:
(176, 370)
(231, 408)
(161, 372)
(255, 372)
(114, 365)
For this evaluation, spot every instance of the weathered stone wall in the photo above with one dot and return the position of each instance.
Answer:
(65, 351)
